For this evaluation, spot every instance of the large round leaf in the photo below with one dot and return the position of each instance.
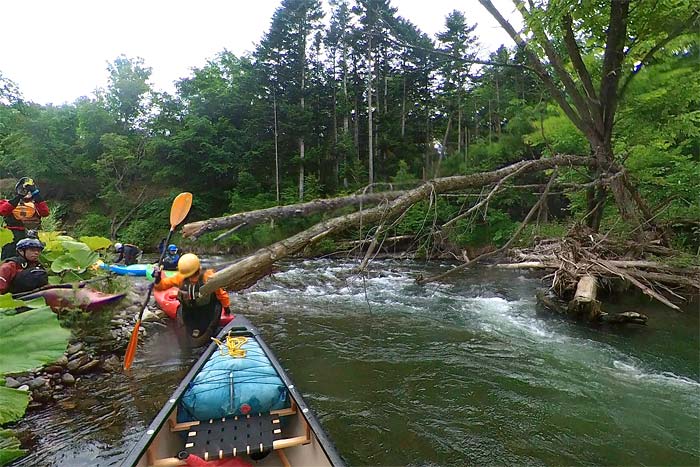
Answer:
(75, 246)
(77, 260)
(13, 403)
(5, 237)
(96, 243)
(65, 262)
(30, 339)
(8, 305)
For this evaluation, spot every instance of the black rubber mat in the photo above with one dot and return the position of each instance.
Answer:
(232, 436)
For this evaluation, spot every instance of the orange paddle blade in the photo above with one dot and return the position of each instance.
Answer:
(131, 348)
(180, 208)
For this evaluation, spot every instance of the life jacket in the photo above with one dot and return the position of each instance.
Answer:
(170, 262)
(24, 215)
(189, 292)
(201, 315)
(27, 278)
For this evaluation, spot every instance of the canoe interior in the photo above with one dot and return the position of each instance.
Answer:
(302, 441)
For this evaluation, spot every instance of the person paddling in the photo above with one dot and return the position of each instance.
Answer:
(23, 272)
(198, 315)
(22, 212)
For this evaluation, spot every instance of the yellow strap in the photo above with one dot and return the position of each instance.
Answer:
(232, 346)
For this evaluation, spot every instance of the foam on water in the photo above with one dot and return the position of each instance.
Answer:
(631, 372)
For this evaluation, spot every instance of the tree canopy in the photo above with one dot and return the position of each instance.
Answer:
(329, 102)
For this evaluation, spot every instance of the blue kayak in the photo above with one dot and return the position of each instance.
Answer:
(131, 270)
(143, 270)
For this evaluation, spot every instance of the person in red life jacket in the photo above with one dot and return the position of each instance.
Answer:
(197, 315)
(23, 272)
(22, 212)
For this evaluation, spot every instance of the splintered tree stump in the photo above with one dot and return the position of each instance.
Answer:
(584, 302)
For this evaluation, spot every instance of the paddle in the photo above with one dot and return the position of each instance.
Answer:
(178, 211)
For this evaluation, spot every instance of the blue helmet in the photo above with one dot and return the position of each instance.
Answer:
(29, 243)
(172, 248)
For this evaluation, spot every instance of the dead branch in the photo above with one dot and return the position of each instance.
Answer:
(527, 219)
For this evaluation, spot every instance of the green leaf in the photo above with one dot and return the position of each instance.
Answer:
(49, 237)
(7, 302)
(50, 253)
(13, 403)
(9, 447)
(77, 260)
(73, 246)
(31, 339)
(65, 262)
(96, 243)
(70, 276)
(5, 237)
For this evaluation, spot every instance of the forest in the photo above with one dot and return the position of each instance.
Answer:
(348, 132)
(348, 97)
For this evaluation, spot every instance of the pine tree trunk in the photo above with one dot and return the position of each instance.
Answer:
(370, 130)
(403, 110)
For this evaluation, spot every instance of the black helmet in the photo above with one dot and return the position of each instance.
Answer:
(29, 243)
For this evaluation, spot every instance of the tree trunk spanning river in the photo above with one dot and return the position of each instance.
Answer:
(463, 372)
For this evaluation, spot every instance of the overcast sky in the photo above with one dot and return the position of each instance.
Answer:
(58, 50)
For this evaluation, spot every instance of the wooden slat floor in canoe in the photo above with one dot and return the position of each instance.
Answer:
(223, 438)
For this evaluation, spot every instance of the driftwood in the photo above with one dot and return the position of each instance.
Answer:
(584, 302)
(585, 254)
(245, 272)
(625, 317)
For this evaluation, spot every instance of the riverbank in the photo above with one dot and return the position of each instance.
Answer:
(97, 344)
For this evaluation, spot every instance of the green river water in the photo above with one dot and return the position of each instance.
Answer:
(465, 372)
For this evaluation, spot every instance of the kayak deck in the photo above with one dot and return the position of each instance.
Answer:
(290, 436)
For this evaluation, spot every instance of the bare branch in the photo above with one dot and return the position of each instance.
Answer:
(525, 221)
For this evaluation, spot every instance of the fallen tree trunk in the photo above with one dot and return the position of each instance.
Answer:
(245, 272)
(197, 229)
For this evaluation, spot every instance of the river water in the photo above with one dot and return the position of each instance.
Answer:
(464, 372)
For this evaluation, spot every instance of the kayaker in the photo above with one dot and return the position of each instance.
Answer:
(172, 256)
(23, 272)
(127, 253)
(198, 314)
(22, 212)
